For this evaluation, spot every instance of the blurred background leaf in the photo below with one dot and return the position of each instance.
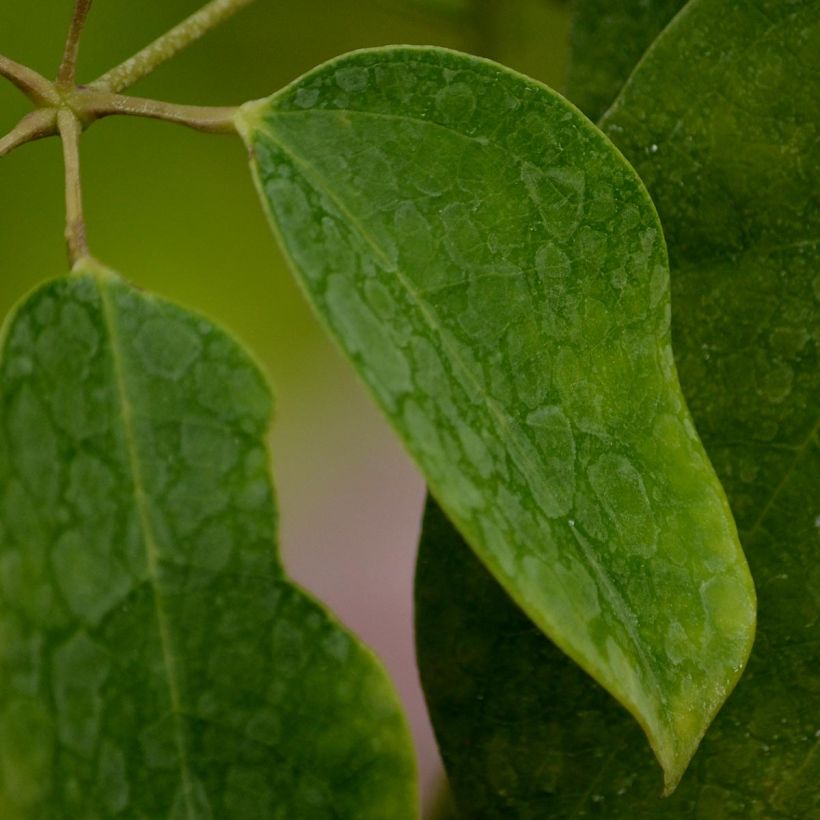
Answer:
(745, 246)
(607, 41)
(176, 212)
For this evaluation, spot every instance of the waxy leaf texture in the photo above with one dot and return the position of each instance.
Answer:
(497, 274)
(720, 119)
(155, 660)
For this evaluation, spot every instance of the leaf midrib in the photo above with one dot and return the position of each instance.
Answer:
(149, 538)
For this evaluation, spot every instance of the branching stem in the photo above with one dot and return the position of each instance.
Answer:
(70, 130)
(36, 87)
(68, 67)
(169, 44)
(34, 126)
(65, 108)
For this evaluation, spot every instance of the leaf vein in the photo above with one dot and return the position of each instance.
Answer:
(624, 612)
(153, 558)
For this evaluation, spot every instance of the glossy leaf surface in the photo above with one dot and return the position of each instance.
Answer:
(156, 662)
(731, 171)
(497, 274)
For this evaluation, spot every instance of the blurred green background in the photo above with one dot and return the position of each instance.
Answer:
(176, 213)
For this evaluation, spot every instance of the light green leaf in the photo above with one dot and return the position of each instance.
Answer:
(607, 40)
(155, 660)
(726, 96)
(496, 272)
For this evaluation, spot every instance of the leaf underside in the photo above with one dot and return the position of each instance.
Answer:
(720, 120)
(497, 274)
(156, 662)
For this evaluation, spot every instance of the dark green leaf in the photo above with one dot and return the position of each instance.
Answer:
(155, 660)
(720, 119)
(496, 272)
(607, 40)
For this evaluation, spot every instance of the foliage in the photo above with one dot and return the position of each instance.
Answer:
(155, 657)
(606, 42)
(496, 272)
(723, 151)
(493, 294)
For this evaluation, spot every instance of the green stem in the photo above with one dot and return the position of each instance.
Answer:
(34, 126)
(70, 130)
(91, 105)
(169, 44)
(68, 66)
(36, 87)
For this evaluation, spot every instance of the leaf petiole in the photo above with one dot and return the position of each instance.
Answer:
(66, 109)
(36, 87)
(91, 105)
(84, 104)
(34, 126)
(168, 45)
(70, 129)
(87, 105)
(68, 67)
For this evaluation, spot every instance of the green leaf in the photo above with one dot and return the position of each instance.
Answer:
(607, 40)
(726, 98)
(156, 662)
(496, 272)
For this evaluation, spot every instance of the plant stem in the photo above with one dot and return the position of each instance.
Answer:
(34, 126)
(68, 66)
(169, 44)
(70, 130)
(91, 105)
(36, 87)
